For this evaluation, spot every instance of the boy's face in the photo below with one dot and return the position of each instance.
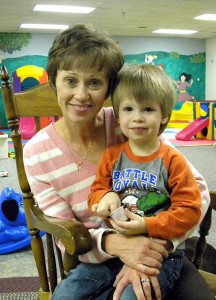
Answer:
(140, 121)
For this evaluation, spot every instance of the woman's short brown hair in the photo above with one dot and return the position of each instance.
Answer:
(82, 46)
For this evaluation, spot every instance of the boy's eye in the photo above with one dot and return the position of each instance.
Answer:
(148, 109)
(127, 108)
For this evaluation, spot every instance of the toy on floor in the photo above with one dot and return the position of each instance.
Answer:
(3, 174)
(13, 228)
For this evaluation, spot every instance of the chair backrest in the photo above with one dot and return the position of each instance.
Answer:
(201, 245)
(39, 102)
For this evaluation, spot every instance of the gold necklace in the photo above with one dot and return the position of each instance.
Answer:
(79, 164)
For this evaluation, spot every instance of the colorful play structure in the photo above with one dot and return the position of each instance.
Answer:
(182, 115)
(24, 78)
(203, 124)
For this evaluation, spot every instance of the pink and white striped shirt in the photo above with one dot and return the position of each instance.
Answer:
(62, 192)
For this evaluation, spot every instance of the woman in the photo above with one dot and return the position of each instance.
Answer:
(61, 160)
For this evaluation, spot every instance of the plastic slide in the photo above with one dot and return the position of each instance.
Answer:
(27, 127)
(192, 129)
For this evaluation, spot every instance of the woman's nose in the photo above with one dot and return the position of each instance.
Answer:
(81, 93)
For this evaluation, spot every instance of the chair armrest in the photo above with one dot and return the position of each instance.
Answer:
(73, 234)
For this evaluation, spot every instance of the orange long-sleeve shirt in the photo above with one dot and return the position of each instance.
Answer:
(161, 185)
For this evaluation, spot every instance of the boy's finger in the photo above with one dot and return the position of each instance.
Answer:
(94, 207)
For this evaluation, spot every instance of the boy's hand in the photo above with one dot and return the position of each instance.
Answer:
(135, 225)
(107, 204)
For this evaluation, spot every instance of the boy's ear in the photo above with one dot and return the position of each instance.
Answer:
(164, 120)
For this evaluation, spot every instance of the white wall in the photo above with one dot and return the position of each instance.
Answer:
(137, 45)
(211, 69)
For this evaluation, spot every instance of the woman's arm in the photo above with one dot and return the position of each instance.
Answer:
(138, 252)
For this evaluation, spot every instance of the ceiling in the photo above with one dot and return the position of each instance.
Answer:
(118, 17)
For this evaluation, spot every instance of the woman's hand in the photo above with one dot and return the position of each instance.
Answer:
(137, 252)
(143, 284)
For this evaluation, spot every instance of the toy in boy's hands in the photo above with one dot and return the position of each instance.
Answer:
(119, 214)
(133, 224)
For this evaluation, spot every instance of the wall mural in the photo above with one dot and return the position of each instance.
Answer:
(187, 71)
(10, 41)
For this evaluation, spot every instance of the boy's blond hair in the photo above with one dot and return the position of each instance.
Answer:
(145, 82)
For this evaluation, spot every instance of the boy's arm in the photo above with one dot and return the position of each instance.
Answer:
(185, 209)
(102, 199)
(109, 202)
(202, 185)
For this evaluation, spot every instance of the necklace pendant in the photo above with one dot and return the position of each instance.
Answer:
(78, 167)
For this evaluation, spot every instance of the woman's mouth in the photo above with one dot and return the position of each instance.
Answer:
(81, 107)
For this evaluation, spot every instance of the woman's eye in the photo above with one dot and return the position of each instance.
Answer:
(95, 83)
(71, 81)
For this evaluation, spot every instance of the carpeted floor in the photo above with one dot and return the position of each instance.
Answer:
(19, 284)
(19, 296)
(19, 288)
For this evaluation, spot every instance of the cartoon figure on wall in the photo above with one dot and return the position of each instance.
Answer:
(185, 81)
(149, 58)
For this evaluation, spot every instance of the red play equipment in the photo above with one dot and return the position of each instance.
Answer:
(204, 124)
(192, 129)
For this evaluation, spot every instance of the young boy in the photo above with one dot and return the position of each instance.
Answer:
(151, 179)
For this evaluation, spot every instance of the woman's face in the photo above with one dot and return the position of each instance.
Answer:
(81, 93)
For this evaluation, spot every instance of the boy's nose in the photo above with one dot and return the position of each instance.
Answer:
(138, 116)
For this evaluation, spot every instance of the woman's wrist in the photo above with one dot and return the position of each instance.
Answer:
(111, 242)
